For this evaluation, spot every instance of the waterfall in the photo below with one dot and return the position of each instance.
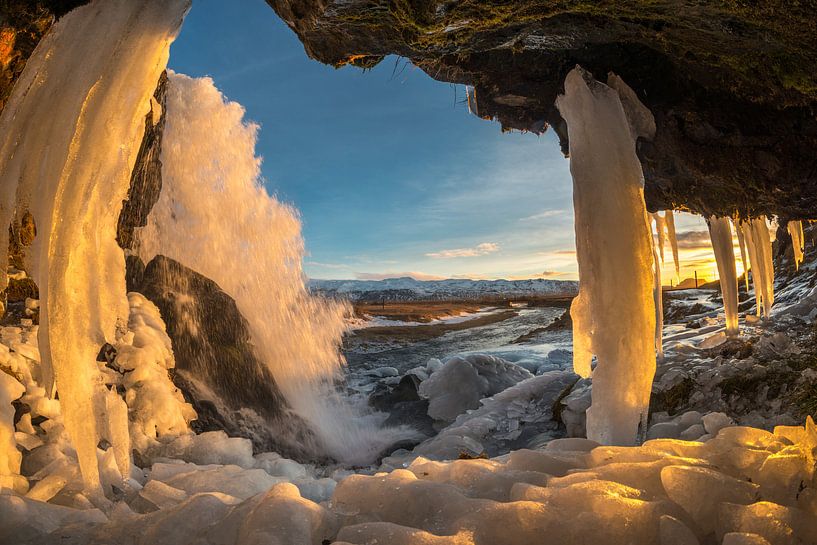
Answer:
(215, 217)
(69, 136)
(720, 233)
(614, 314)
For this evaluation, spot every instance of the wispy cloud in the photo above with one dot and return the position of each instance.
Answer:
(382, 276)
(481, 249)
(543, 215)
(327, 265)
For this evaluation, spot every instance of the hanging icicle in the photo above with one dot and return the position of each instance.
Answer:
(614, 314)
(658, 297)
(660, 229)
(795, 229)
(69, 137)
(669, 219)
(720, 233)
(759, 245)
(744, 257)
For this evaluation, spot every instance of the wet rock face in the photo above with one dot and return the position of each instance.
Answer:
(216, 366)
(730, 84)
(146, 178)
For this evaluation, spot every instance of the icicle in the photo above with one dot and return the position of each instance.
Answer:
(670, 221)
(763, 246)
(658, 297)
(795, 229)
(69, 137)
(614, 313)
(660, 229)
(759, 245)
(720, 233)
(744, 258)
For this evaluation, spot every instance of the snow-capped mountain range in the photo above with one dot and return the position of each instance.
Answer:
(408, 289)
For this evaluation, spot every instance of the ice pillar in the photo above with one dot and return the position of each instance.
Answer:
(614, 313)
(669, 218)
(720, 232)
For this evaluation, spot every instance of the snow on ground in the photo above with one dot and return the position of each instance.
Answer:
(407, 288)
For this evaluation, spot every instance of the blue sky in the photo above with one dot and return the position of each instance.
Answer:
(390, 172)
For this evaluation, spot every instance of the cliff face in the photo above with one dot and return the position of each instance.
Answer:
(730, 83)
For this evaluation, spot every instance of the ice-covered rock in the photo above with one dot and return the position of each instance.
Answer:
(463, 381)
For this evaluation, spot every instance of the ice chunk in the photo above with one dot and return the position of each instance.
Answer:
(743, 538)
(162, 495)
(720, 232)
(614, 253)
(212, 447)
(232, 480)
(700, 491)
(10, 457)
(393, 534)
(715, 422)
(674, 532)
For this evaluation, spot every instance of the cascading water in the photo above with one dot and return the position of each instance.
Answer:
(214, 216)
(69, 136)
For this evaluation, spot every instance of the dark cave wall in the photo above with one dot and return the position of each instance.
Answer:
(730, 83)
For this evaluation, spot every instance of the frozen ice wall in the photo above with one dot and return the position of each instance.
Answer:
(614, 313)
(720, 232)
(214, 216)
(68, 141)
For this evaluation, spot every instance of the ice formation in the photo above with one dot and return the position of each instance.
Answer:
(795, 229)
(658, 292)
(661, 232)
(82, 96)
(214, 216)
(143, 358)
(741, 485)
(720, 233)
(744, 256)
(669, 218)
(759, 246)
(614, 253)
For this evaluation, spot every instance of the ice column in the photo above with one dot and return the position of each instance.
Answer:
(614, 313)
(720, 233)
(795, 229)
(69, 137)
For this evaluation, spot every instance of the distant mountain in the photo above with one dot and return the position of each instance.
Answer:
(408, 289)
